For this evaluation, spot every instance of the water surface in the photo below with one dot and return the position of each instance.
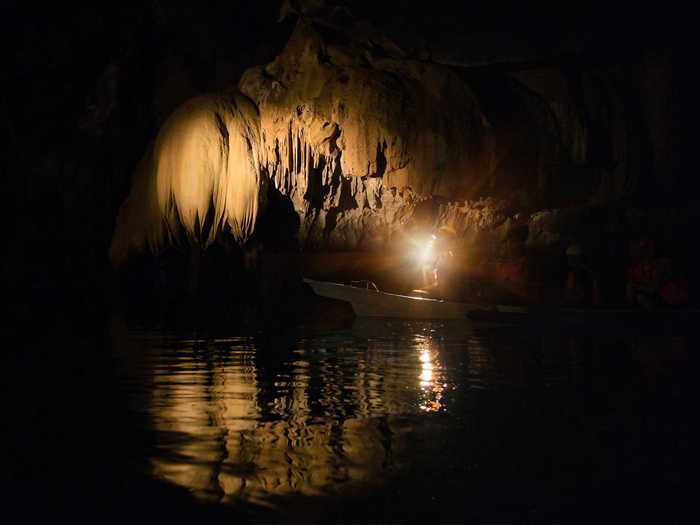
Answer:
(407, 421)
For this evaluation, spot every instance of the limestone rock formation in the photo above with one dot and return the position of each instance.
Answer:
(202, 176)
(369, 134)
(357, 131)
(352, 135)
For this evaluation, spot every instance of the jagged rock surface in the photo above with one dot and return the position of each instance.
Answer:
(354, 138)
(360, 131)
(357, 131)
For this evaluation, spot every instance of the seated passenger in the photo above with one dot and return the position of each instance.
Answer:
(644, 276)
(581, 282)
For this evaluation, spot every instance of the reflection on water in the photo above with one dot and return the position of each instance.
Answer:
(232, 425)
(245, 419)
(432, 378)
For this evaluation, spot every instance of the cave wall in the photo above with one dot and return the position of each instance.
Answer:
(367, 113)
(351, 139)
(357, 130)
(85, 92)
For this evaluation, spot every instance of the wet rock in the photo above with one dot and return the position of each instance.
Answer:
(202, 176)
(347, 131)
(365, 119)
(352, 120)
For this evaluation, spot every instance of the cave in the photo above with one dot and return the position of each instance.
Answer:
(360, 120)
(237, 186)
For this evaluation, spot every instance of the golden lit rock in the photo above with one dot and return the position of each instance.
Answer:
(350, 134)
(201, 174)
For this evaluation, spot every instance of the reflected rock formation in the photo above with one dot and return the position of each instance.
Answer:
(337, 415)
(319, 424)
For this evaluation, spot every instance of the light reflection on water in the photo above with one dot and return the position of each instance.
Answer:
(320, 422)
(246, 419)
(432, 377)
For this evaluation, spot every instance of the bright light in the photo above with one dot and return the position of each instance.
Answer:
(426, 251)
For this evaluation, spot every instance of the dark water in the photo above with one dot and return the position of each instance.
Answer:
(401, 422)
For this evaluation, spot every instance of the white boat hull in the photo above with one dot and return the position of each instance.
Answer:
(371, 303)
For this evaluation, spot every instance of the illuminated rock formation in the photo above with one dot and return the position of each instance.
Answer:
(369, 135)
(202, 175)
(358, 127)
(353, 134)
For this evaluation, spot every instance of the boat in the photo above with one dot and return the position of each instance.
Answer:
(368, 301)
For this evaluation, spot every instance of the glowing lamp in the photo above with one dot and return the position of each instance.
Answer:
(425, 253)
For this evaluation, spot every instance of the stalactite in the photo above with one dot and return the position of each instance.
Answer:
(203, 170)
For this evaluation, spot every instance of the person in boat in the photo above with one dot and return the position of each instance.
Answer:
(644, 275)
(429, 264)
(510, 268)
(436, 261)
(674, 291)
(511, 272)
(443, 265)
(654, 281)
(581, 281)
